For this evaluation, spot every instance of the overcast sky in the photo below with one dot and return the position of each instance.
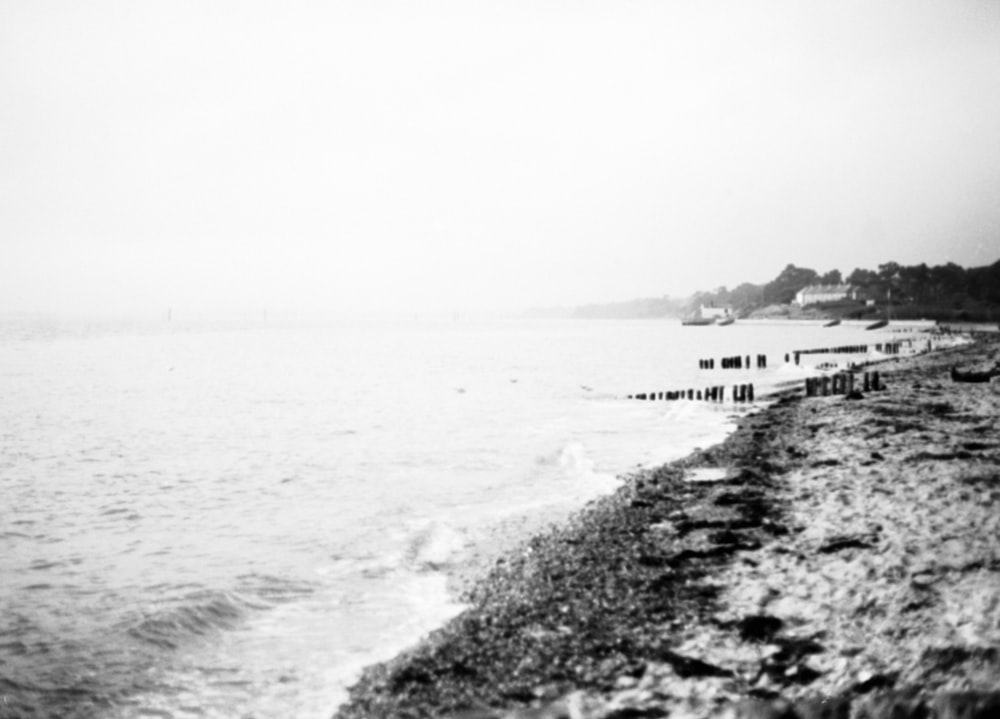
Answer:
(484, 155)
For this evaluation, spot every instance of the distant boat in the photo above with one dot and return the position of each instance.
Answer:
(877, 325)
(832, 323)
(699, 321)
(726, 321)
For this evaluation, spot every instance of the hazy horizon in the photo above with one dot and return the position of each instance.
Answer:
(472, 156)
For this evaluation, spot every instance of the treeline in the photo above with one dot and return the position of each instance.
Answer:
(943, 290)
(948, 285)
(940, 292)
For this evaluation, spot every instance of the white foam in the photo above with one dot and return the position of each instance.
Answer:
(580, 470)
(426, 605)
(435, 545)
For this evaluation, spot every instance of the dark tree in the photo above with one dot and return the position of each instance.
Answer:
(832, 277)
(782, 288)
(862, 278)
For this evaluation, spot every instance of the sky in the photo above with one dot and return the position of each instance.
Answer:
(465, 155)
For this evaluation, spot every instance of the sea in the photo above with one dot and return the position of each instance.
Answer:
(232, 517)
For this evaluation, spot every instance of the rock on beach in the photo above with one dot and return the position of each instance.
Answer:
(831, 558)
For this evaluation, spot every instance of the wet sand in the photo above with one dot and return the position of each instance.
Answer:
(833, 557)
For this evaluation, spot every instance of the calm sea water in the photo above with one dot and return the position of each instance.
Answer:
(230, 519)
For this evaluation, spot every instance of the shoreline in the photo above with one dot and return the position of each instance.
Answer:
(843, 549)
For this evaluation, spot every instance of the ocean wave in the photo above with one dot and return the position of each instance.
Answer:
(272, 589)
(204, 613)
(434, 546)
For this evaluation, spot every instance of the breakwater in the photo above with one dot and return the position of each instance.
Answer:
(715, 393)
(841, 382)
(734, 362)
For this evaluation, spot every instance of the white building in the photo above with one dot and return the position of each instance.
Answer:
(716, 313)
(824, 293)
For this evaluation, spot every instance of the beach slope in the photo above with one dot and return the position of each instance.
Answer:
(833, 557)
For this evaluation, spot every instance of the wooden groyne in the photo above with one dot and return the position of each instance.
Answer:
(886, 348)
(842, 383)
(734, 362)
(715, 393)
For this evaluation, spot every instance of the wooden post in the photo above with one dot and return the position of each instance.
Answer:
(825, 385)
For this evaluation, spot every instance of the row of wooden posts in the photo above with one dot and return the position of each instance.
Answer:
(842, 350)
(889, 348)
(740, 393)
(743, 361)
(841, 383)
(734, 362)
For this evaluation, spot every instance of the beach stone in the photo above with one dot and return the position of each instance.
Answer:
(967, 705)
(891, 705)
(824, 708)
(555, 710)
(760, 709)
(759, 627)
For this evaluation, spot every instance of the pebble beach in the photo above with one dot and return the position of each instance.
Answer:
(836, 556)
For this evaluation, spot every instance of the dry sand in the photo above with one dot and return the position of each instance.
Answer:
(834, 557)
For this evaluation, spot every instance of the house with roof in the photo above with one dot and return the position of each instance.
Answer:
(814, 294)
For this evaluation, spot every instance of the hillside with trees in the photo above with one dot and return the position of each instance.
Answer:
(942, 292)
